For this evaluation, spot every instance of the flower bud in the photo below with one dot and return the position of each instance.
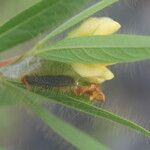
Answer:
(96, 26)
(95, 73)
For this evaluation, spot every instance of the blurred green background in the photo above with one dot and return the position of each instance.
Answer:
(9, 8)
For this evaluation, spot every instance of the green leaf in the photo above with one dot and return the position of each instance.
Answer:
(98, 49)
(74, 136)
(76, 19)
(14, 8)
(5, 97)
(17, 93)
(43, 16)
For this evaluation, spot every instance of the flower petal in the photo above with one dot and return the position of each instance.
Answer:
(96, 26)
(107, 27)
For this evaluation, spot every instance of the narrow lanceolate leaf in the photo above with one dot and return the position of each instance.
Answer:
(43, 16)
(99, 49)
(18, 93)
(76, 137)
(72, 135)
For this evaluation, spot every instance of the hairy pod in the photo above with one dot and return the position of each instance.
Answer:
(48, 81)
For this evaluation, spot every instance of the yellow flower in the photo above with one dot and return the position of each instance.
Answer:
(96, 26)
(95, 73)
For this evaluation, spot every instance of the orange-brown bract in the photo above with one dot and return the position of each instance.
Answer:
(93, 91)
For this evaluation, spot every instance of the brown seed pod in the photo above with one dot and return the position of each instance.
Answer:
(93, 91)
(48, 81)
